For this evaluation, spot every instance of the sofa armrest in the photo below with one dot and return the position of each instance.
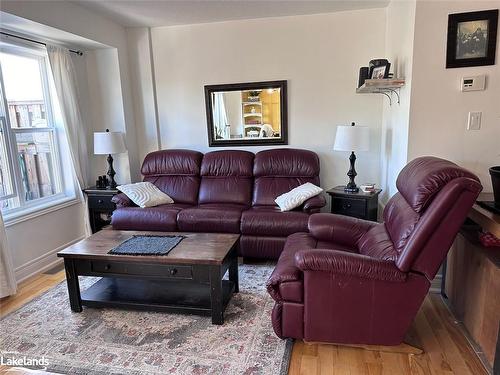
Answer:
(349, 264)
(314, 204)
(341, 229)
(281, 274)
(121, 200)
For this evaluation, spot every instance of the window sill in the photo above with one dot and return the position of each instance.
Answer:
(33, 212)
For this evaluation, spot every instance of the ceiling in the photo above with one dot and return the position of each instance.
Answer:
(26, 28)
(169, 12)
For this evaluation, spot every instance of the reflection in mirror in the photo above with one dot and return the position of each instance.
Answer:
(246, 114)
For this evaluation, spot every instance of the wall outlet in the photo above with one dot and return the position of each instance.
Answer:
(474, 121)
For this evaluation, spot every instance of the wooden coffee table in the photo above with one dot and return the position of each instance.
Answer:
(188, 280)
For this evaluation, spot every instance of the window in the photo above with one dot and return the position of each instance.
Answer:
(30, 163)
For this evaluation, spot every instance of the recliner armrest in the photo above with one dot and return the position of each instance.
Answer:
(349, 264)
(314, 204)
(342, 229)
(121, 200)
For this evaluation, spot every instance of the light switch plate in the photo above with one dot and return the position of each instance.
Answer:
(474, 121)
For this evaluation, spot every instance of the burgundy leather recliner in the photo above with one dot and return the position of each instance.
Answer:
(358, 282)
(226, 191)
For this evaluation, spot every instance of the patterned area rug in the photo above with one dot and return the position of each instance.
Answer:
(114, 341)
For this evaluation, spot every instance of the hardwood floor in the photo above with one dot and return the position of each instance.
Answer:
(447, 351)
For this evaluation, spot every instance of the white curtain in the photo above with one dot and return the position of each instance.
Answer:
(8, 284)
(65, 82)
(222, 128)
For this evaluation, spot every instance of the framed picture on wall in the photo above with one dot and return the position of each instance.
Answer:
(472, 39)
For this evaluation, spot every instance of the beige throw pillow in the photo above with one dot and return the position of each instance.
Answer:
(145, 194)
(295, 197)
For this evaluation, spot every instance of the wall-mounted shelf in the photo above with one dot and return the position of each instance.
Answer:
(386, 86)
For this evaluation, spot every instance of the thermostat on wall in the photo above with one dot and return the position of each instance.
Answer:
(476, 83)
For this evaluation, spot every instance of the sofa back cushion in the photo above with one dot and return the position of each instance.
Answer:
(278, 171)
(226, 177)
(422, 220)
(423, 178)
(175, 172)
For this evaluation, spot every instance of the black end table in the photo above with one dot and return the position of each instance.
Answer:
(99, 202)
(360, 205)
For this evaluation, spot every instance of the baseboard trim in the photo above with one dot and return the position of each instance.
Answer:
(42, 263)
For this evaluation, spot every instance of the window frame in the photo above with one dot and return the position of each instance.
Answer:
(8, 153)
(64, 193)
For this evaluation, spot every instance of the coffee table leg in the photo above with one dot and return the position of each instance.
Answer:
(216, 295)
(233, 273)
(75, 299)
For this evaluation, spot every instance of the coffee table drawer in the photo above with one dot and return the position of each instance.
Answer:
(122, 268)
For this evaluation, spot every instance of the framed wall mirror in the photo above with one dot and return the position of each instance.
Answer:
(247, 114)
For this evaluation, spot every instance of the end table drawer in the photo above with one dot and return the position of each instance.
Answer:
(351, 207)
(101, 202)
(122, 268)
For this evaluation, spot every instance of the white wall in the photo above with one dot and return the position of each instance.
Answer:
(399, 51)
(141, 75)
(107, 113)
(438, 114)
(35, 242)
(319, 55)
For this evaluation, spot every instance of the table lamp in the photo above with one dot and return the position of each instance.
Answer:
(352, 138)
(108, 143)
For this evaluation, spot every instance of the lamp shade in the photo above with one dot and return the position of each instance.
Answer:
(352, 138)
(109, 143)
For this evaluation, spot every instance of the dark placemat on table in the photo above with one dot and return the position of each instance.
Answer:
(147, 245)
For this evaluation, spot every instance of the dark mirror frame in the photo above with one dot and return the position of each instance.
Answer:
(282, 140)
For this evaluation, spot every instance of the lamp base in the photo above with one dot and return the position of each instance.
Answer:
(111, 173)
(351, 186)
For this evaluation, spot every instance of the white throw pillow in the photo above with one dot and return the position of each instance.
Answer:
(295, 197)
(145, 194)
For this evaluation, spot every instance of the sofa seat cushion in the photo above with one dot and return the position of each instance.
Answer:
(270, 221)
(219, 218)
(159, 218)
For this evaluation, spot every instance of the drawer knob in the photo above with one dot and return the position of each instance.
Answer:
(347, 205)
(107, 267)
(100, 201)
(173, 271)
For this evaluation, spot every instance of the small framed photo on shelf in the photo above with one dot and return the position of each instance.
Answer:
(472, 39)
(380, 72)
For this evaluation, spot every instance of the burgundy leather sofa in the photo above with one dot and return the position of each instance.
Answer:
(358, 282)
(228, 191)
